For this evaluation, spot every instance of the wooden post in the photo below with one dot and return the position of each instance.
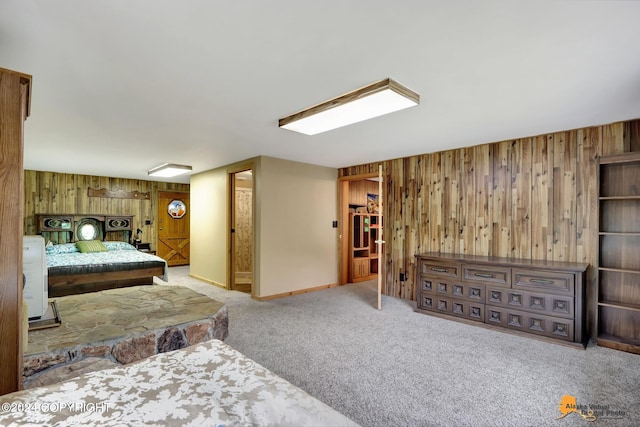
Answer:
(380, 240)
(14, 109)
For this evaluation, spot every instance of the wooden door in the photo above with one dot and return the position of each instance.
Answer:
(242, 235)
(173, 227)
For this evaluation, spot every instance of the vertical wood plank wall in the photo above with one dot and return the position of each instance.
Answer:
(358, 191)
(53, 192)
(532, 198)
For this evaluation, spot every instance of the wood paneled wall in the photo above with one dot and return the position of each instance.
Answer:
(53, 192)
(244, 230)
(532, 198)
(358, 191)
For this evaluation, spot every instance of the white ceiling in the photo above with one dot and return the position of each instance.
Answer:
(121, 86)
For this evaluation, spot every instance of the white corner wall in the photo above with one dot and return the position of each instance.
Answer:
(296, 244)
(208, 226)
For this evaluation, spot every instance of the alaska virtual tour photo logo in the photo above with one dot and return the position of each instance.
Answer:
(590, 412)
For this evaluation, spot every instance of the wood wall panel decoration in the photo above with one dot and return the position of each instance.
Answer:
(61, 193)
(530, 198)
(118, 194)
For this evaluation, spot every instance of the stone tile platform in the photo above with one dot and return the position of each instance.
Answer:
(120, 326)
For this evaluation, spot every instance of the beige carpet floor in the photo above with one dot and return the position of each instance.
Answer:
(396, 367)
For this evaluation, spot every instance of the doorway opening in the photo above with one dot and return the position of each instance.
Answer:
(361, 229)
(241, 197)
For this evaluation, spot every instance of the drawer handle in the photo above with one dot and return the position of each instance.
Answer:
(439, 270)
(486, 275)
(542, 281)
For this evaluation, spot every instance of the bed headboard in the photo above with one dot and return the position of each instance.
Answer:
(68, 228)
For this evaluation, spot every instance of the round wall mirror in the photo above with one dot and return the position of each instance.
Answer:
(88, 230)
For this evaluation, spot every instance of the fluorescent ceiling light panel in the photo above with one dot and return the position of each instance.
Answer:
(376, 99)
(168, 170)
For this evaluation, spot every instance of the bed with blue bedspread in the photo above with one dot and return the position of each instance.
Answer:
(81, 267)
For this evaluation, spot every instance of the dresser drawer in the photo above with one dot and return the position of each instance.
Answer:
(426, 301)
(467, 309)
(437, 269)
(435, 285)
(496, 296)
(536, 302)
(454, 307)
(468, 291)
(489, 275)
(554, 282)
(554, 327)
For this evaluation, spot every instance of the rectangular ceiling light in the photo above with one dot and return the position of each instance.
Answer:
(376, 99)
(168, 170)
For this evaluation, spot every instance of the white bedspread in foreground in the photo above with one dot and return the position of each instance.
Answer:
(208, 384)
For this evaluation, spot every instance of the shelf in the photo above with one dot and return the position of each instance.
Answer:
(619, 305)
(606, 340)
(621, 159)
(605, 198)
(619, 251)
(619, 233)
(619, 270)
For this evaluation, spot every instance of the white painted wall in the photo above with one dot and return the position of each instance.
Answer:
(295, 244)
(209, 226)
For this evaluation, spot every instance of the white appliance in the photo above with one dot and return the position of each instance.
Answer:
(34, 268)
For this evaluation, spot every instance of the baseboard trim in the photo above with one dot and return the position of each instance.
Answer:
(292, 293)
(211, 282)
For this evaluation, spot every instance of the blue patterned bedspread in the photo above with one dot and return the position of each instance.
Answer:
(106, 261)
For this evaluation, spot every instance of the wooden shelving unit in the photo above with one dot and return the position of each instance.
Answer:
(363, 251)
(618, 311)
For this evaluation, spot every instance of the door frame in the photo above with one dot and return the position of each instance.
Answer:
(343, 224)
(231, 194)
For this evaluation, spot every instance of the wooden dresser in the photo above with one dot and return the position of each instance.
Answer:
(542, 299)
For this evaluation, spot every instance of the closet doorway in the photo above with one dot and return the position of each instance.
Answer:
(241, 204)
(361, 243)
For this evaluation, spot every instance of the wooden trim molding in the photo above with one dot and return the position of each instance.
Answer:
(210, 282)
(298, 292)
(118, 194)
